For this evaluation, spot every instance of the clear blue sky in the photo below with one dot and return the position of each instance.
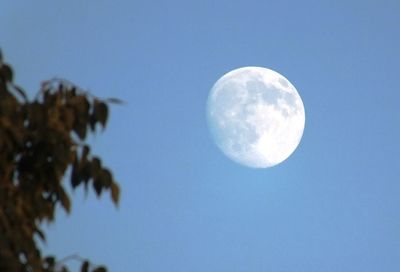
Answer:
(334, 205)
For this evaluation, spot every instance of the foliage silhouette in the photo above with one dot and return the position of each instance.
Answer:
(41, 143)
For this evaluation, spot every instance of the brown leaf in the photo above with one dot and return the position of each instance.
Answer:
(106, 178)
(95, 167)
(65, 201)
(80, 129)
(100, 112)
(68, 118)
(81, 107)
(115, 193)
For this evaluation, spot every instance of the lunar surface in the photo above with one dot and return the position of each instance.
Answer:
(255, 116)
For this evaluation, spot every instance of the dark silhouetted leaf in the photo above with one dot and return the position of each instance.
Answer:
(65, 201)
(97, 186)
(114, 100)
(75, 176)
(68, 118)
(80, 130)
(100, 269)
(85, 152)
(85, 266)
(100, 113)
(6, 72)
(92, 122)
(21, 92)
(50, 261)
(96, 166)
(86, 170)
(41, 234)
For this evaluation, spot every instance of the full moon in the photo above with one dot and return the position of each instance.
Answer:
(255, 116)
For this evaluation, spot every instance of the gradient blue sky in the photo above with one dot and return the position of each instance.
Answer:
(334, 205)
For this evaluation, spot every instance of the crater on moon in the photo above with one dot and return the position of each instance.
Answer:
(255, 116)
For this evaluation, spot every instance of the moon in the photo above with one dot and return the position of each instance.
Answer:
(255, 116)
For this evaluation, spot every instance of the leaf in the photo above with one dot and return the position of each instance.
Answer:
(65, 201)
(80, 129)
(82, 105)
(105, 178)
(95, 167)
(21, 92)
(68, 118)
(41, 235)
(73, 91)
(115, 192)
(85, 266)
(70, 93)
(100, 112)
(100, 269)
(85, 173)
(85, 152)
(81, 108)
(114, 100)
(75, 177)
(92, 122)
(60, 87)
(50, 261)
(6, 72)
(36, 115)
(102, 180)
(97, 186)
